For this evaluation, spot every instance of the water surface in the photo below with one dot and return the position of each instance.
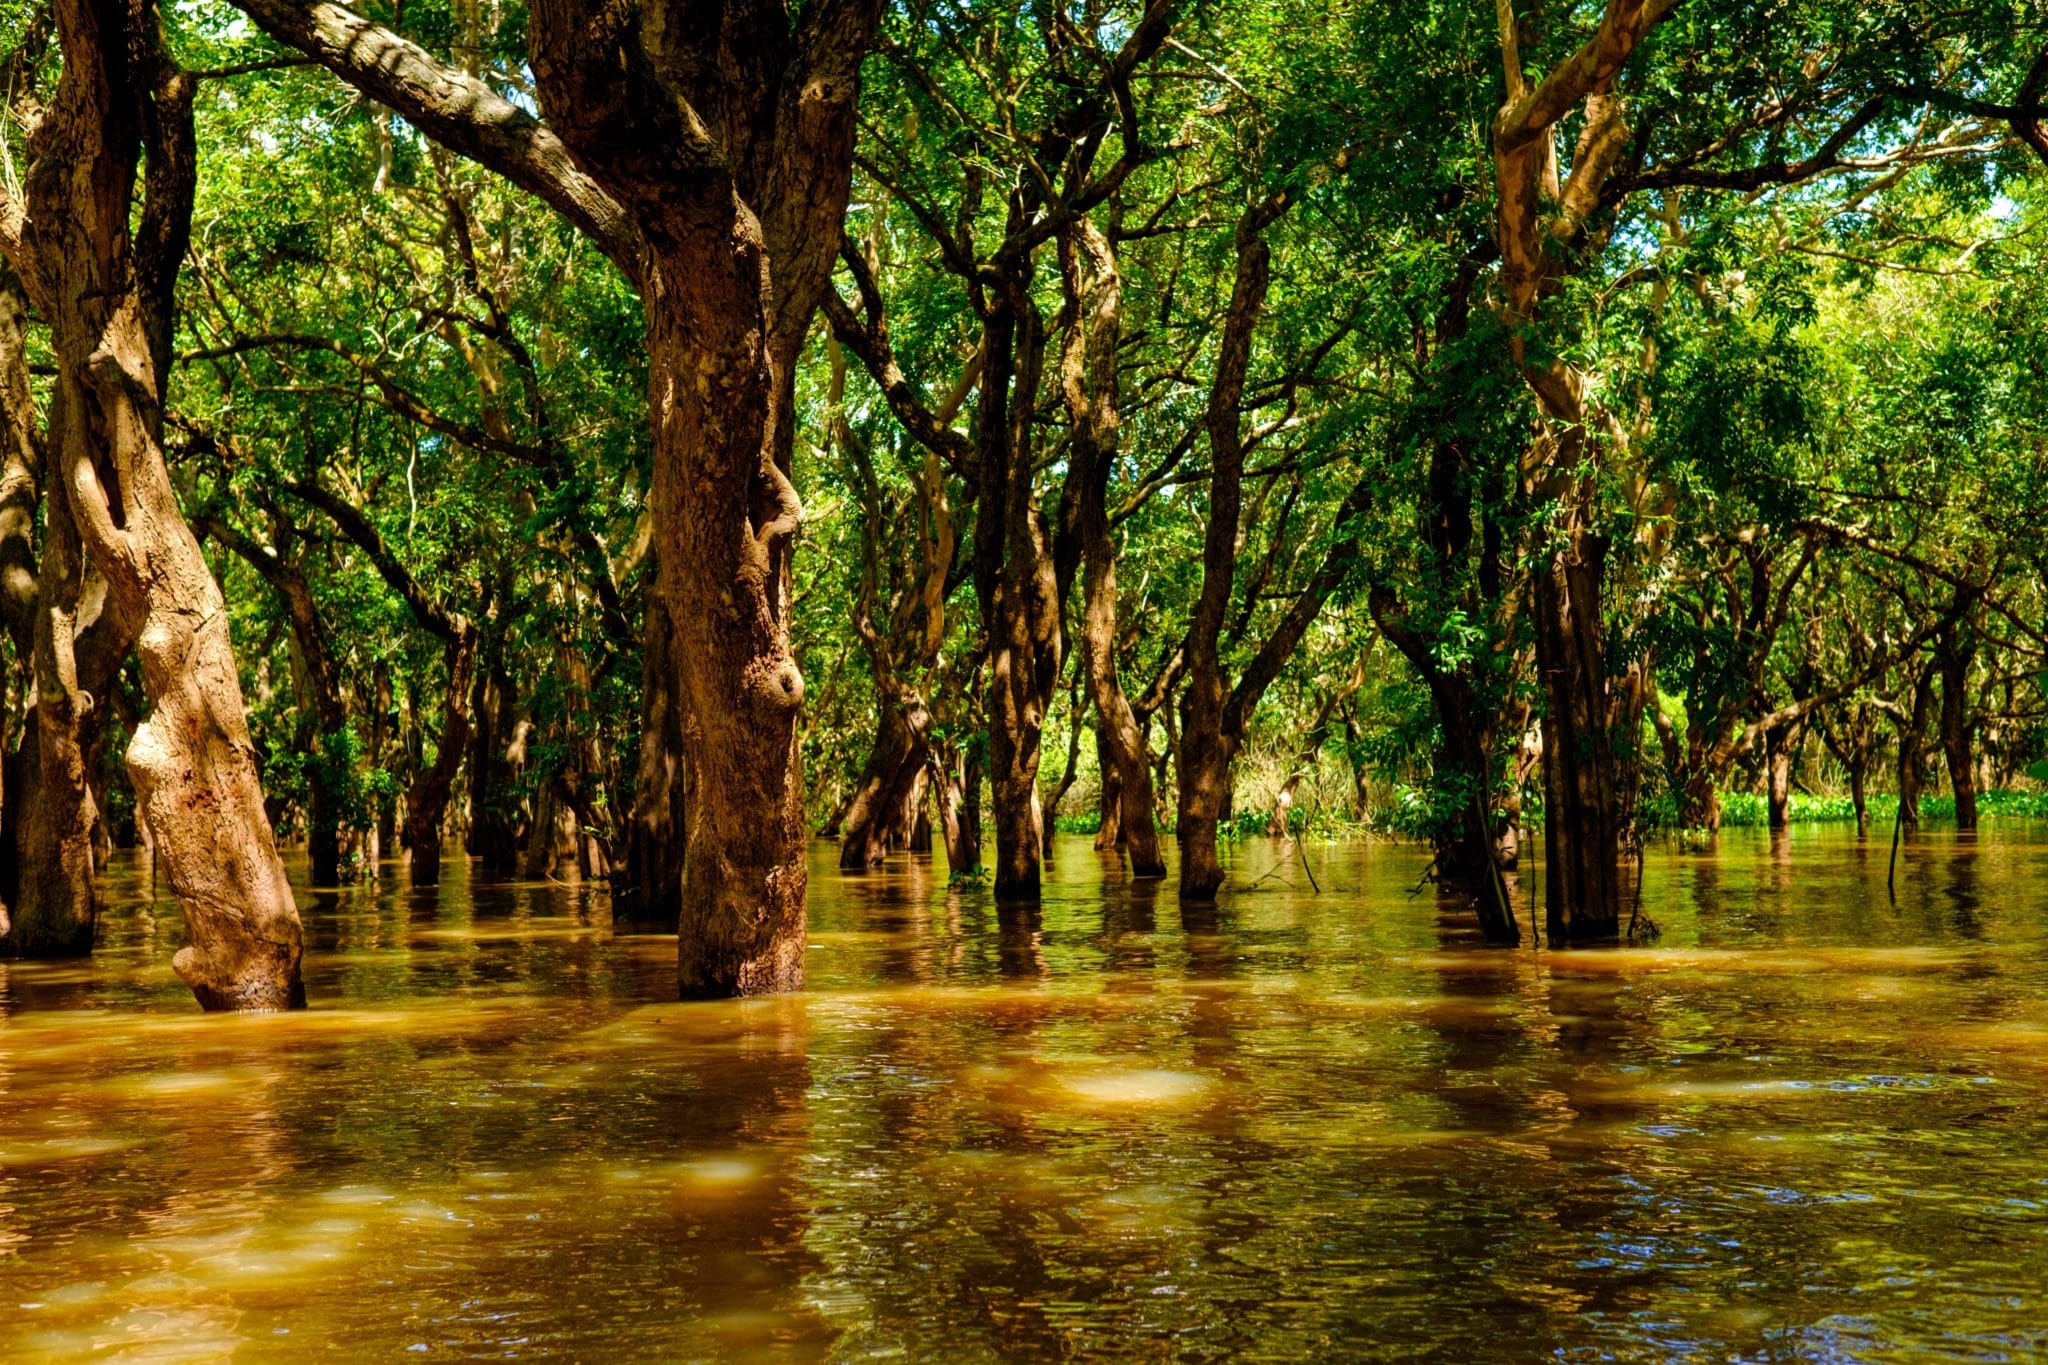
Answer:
(1802, 1125)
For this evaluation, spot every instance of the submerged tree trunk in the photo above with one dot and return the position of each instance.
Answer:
(1581, 831)
(957, 784)
(740, 215)
(1954, 655)
(426, 801)
(653, 890)
(712, 162)
(1543, 229)
(1109, 803)
(58, 899)
(107, 297)
(1206, 750)
(1781, 748)
(891, 773)
(1913, 746)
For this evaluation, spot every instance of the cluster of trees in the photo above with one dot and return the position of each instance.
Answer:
(556, 426)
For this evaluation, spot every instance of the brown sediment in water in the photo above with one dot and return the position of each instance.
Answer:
(1292, 1124)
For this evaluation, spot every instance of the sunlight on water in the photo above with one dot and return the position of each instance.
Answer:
(1801, 1124)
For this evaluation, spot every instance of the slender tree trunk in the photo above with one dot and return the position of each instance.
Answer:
(1781, 746)
(1540, 227)
(1017, 583)
(426, 801)
(1913, 748)
(1089, 381)
(655, 838)
(1205, 750)
(1954, 661)
(381, 824)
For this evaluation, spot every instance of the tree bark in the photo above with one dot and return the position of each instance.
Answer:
(104, 283)
(886, 780)
(957, 782)
(1110, 799)
(1205, 750)
(57, 904)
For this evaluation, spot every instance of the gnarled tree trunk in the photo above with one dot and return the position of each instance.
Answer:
(107, 297)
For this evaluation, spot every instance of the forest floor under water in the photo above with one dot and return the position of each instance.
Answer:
(1801, 1125)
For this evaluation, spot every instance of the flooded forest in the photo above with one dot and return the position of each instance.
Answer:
(823, 679)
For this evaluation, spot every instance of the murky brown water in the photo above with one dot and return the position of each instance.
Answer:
(1804, 1126)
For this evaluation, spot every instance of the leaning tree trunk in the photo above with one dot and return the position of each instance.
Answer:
(107, 297)
(893, 763)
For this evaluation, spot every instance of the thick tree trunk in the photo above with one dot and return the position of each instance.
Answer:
(913, 831)
(737, 181)
(695, 155)
(106, 295)
(725, 512)
(1581, 834)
